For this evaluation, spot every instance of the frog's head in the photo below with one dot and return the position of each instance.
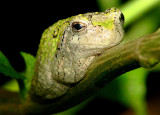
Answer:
(91, 33)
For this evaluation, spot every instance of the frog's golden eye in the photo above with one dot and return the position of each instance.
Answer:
(78, 26)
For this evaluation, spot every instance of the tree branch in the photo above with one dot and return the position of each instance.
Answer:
(142, 52)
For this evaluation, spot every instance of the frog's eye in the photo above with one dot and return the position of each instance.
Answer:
(78, 26)
(121, 18)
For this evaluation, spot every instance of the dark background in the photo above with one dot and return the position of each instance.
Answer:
(23, 23)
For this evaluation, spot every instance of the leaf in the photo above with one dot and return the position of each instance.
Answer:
(28, 73)
(30, 63)
(7, 69)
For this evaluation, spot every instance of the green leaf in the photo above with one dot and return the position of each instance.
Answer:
(7, 69)
(30, 63)
(28, 73)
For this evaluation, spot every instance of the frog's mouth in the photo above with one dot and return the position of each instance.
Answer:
(86, 50)
(93, 46)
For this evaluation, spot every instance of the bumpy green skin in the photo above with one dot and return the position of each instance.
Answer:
(50, 39)
(47, 48)
(68, 47)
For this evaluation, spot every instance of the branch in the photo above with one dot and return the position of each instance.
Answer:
(142, 52)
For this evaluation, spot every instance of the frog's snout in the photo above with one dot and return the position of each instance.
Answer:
(115, 12)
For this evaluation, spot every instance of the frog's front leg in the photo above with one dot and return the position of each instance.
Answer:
(43, 85)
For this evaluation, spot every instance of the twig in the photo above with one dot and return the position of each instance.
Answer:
(142, 52)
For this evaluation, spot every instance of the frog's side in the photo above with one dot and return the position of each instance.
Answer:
(68, 47)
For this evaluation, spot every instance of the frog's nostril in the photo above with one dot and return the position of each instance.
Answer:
(121, 17)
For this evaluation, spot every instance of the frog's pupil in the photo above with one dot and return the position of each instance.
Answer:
(77, 26)
(122, 17)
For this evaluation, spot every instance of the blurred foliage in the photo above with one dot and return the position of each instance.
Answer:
(7, 69)
(129, 89)
(21, 81)
(28, 73)
(11, 85)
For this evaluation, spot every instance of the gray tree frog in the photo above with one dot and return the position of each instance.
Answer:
(68, 47)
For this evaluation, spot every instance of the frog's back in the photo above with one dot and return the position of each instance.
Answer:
(49, 41)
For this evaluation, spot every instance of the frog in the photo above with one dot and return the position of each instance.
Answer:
(68, 47)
